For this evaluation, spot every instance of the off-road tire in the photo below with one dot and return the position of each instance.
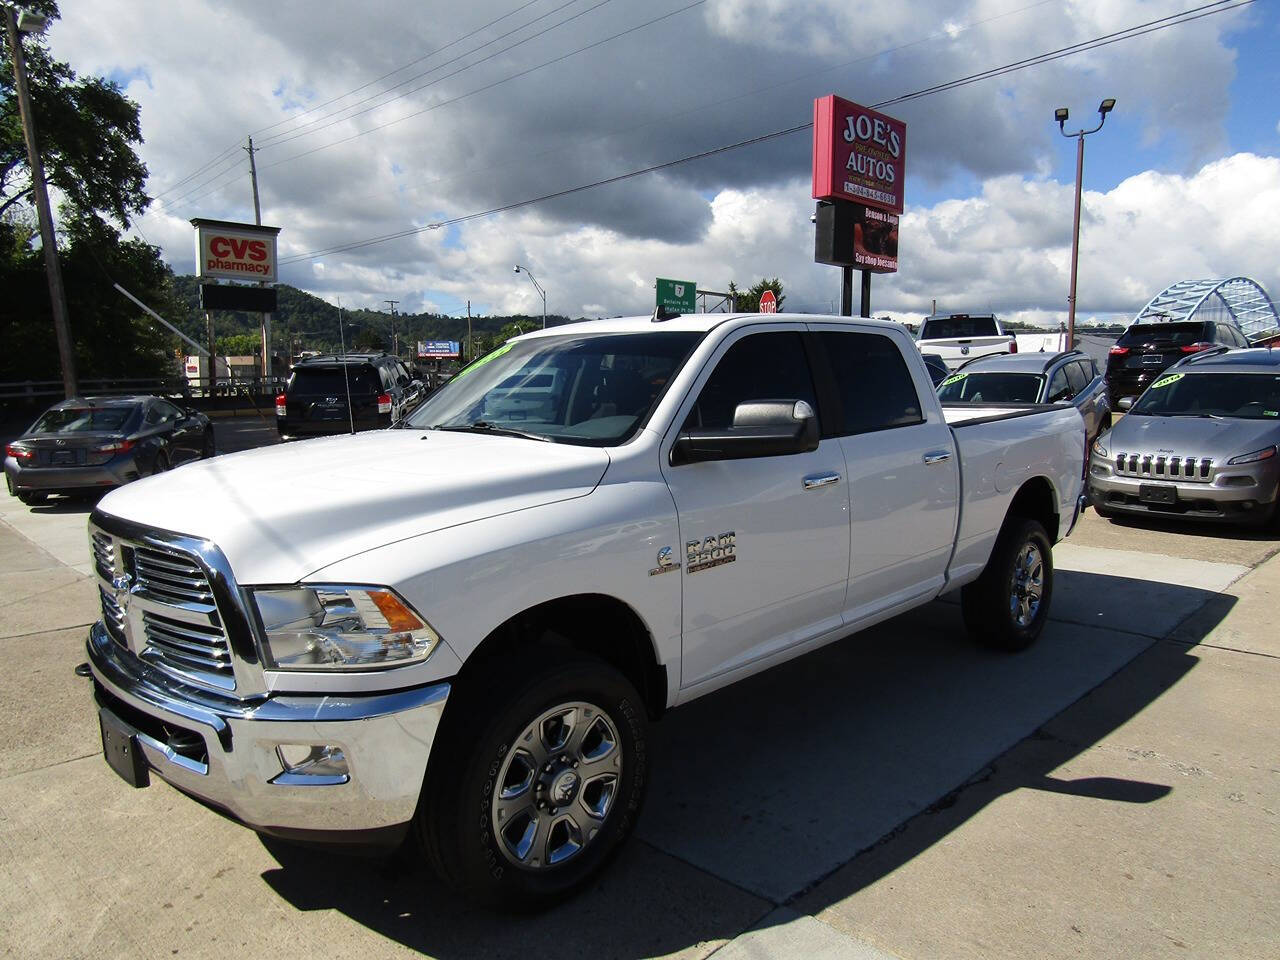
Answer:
(487, 712)
(994, 612)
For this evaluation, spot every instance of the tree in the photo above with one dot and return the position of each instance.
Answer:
(239, 345)
(749, 300)
(368, 340)
(87, 130)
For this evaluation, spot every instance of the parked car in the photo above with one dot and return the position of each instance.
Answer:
(1146, 350)
(1070, 377)
(1200, 443)
(937, 367)
(598, 522)
(378, 388)
(90, 444)
(958, 337)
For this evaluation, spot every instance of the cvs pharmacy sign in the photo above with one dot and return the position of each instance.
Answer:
(235, 251)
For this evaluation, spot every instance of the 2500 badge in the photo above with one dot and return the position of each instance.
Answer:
(711, 552)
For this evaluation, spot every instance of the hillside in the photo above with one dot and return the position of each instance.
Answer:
(304, 321)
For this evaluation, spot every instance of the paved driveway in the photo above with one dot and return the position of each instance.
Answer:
(899, 793)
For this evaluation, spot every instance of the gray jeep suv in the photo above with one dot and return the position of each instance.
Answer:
(1200, 443)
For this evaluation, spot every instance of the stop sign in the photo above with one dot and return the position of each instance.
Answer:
(768, 302)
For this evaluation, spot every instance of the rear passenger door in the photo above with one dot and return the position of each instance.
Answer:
(900, 458)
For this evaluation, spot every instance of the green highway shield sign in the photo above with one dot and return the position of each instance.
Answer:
(680, 296)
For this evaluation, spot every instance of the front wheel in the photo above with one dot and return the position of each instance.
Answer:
(1007, 607)
(538, 780)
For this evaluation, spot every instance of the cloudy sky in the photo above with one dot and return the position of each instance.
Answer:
(379, 119)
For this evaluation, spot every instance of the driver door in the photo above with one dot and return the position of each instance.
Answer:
(764, 541)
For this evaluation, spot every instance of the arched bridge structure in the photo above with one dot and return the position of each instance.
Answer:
(1238, 300)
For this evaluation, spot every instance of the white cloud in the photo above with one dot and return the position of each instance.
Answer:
(207, 74)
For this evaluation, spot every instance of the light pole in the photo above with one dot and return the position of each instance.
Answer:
(28, 22)
(537, 286)
(1060, 115)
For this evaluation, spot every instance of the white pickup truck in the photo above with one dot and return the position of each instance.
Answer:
(961, 337)
(460, 627)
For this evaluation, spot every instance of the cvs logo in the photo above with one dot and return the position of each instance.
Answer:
(238, 249)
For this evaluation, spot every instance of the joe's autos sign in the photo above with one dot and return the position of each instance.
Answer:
(235, 251)
(858, 155)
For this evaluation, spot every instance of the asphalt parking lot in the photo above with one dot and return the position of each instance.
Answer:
(1113, 791)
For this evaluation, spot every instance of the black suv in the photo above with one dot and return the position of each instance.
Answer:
(314, 402)
(1144, 351)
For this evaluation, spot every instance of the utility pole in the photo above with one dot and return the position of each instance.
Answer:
(471, 347)
(57, 295)
(395, 341)
(257, 218)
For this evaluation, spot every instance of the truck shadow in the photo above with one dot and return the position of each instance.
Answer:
(798, 775)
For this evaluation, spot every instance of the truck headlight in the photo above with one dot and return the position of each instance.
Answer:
(1266, 453)
(337, 627)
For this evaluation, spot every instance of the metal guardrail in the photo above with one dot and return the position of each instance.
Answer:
(237, 393)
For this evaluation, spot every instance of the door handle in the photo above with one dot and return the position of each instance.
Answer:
(937, 456)
(820, 480)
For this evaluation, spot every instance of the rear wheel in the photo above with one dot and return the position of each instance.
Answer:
(161, 463)
(1006, 608)
(31, 498)
(538, 780)
(208, 449)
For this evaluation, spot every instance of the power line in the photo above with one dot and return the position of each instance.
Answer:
(288, 136)
(1151, 26)
(231, 151)
(392, 73)
(525, 160)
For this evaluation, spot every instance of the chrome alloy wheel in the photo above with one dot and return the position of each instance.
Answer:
(557, 785)
(1027, 586)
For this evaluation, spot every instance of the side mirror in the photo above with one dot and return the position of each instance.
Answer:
(1125, 403)
(761, 428)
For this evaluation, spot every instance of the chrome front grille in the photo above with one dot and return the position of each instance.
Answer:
(104, 555)
(1164, 467)
(188, 648)
(158, 603)
(113, 618)
(171, 578)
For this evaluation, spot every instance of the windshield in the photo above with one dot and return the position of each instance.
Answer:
(1247, 396)
(83, 420)
(948, 328)
(593, 390)
(991, 388)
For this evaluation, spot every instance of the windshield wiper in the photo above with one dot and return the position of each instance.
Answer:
(484, 426)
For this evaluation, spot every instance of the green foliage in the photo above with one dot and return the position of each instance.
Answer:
(87, 131)
(367, 340)
(240, 345)
(749, 300)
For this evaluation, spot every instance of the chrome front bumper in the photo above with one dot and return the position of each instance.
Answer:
(385, 738)
(1239, 494)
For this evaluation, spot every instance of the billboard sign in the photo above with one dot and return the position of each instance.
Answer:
(678, 295)
(235, 251)
(439, 349)
(854, 235)
(858, 154)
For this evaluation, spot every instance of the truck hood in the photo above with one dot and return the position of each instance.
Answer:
(1219, 439)
(280, 513)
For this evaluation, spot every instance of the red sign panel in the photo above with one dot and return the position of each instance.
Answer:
(858, 154)
(768, 302)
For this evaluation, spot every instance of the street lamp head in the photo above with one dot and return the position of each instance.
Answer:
(517, 268)
(1060, 115)
(31, 22)
(1106, 106)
